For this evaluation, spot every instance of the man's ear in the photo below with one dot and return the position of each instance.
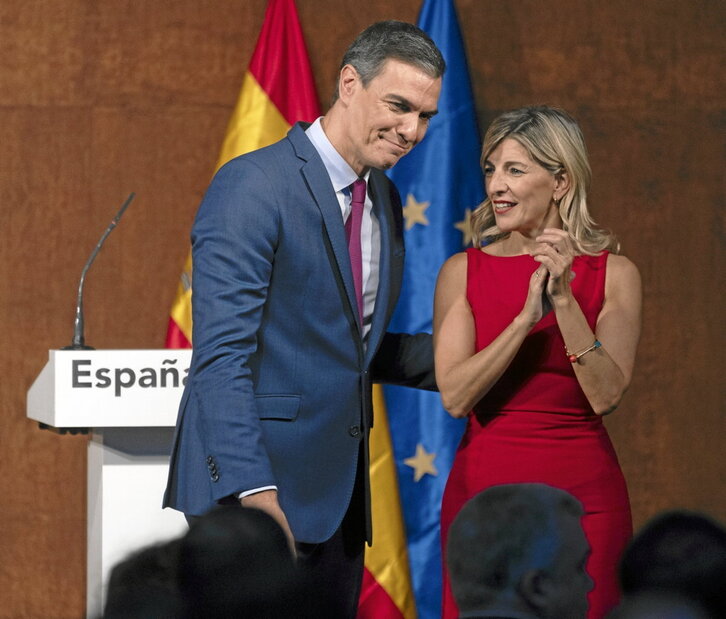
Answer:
(534, 588)
(348, 82)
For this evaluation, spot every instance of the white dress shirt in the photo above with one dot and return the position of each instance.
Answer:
(342, 177)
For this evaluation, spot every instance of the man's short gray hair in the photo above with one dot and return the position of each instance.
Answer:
(392, 40)
(499, 533)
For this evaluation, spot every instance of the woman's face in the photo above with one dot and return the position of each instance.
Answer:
(521, 190)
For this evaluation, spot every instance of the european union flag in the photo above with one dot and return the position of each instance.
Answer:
(440, 183)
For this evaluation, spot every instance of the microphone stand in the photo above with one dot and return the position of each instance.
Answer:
(78, 342)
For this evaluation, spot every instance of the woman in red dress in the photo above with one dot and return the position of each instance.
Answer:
(535, 334)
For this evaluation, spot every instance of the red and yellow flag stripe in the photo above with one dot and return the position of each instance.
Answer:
(387, 592)
(277, 91)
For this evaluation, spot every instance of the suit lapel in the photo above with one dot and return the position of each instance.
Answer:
(321, 191)
(381, 311)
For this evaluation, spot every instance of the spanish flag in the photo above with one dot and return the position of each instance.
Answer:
(277, 91)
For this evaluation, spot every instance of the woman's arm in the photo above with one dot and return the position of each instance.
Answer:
(463, 375)
(604, 373)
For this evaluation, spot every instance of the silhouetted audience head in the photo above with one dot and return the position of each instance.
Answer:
(658, 606)
(144, 586)
(519, 549)
(682, 553)
(236, 562)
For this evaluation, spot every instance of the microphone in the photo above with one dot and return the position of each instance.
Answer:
(78, 342)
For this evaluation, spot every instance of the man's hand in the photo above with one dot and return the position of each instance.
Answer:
(267, 502)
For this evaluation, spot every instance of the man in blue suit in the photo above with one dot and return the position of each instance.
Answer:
(287, 336)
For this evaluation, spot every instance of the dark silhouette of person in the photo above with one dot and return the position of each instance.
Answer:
(232, 562)
(144, 585)
(236, 562)
(652, 605)
(678, 552)
(519, 551)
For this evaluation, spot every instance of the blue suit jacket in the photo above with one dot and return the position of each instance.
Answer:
(279, 388)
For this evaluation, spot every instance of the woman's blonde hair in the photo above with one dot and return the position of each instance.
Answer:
(553, 140)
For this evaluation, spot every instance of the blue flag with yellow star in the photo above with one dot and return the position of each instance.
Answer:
(440, 183)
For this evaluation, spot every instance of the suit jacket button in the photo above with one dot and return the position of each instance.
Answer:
(215, 477)
(210, 459)
(354, 431)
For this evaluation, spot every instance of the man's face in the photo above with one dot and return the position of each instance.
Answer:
(569, 583)
(386, 119)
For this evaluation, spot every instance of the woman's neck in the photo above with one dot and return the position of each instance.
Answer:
(515, 244)
(522, 242)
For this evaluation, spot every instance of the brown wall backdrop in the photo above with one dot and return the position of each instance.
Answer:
(98, 99)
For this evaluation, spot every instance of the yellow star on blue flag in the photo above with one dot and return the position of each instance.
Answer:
(414, 212)
(464, 226)
(422, 463)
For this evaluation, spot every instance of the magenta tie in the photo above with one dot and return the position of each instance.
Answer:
(352, 233)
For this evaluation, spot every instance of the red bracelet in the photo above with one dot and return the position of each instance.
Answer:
(573, 358)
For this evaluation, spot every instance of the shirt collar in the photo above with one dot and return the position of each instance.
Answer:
(340, 173)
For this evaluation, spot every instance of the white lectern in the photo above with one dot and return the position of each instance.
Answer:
(128, 400)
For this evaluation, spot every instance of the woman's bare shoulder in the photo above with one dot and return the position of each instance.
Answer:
(453, 271)
(621, 265)
(456, 263)
(622, 273)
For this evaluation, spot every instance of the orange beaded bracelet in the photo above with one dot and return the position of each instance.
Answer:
(574, 357)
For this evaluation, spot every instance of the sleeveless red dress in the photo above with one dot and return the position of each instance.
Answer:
(535, 424)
